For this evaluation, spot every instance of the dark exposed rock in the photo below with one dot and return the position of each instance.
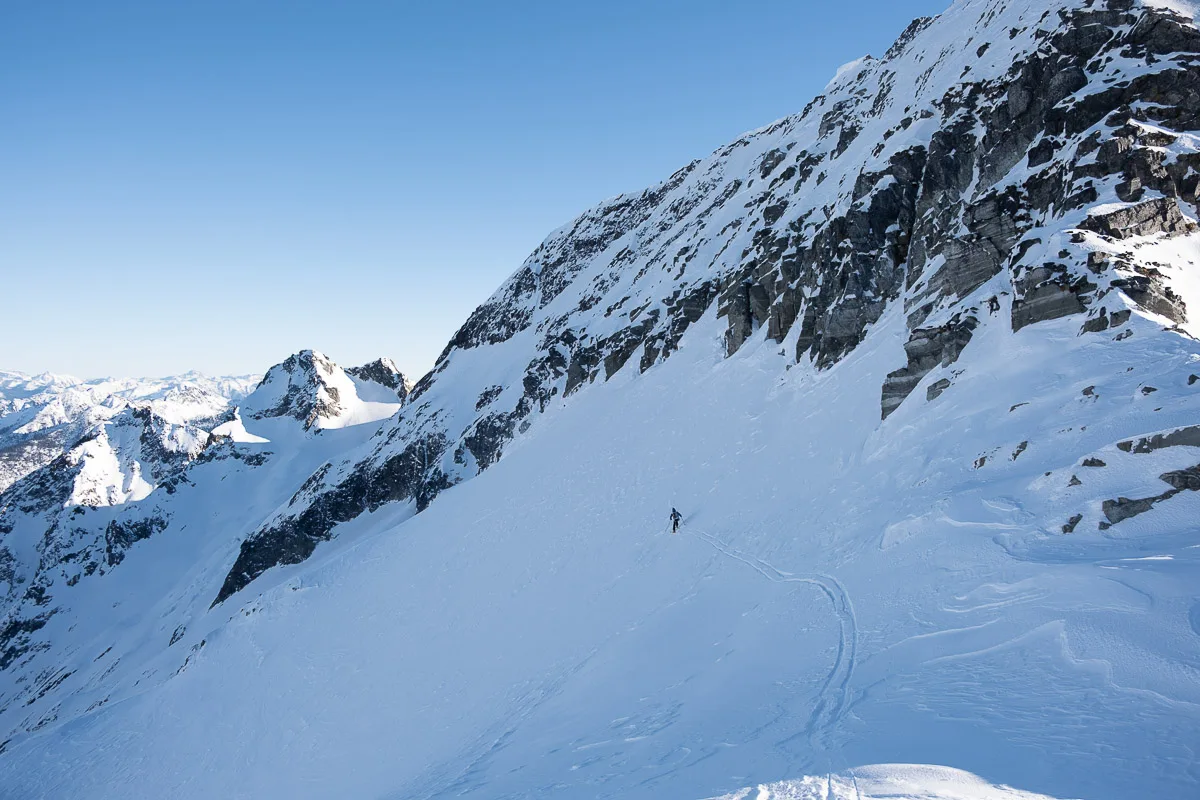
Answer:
(1096, 324)
(384, 372)
(1048, 292)
(1093, 462)
(772, 213)
(1103, 321)
(836, 283)
(1183, 480)
(936, 388)
(488, 437)
(682, 312)
(995, 224)
(926, 349)
(411, 474)
(16, 635)
(1147, 288)
(1181, 437)
(120, 536)
(1160, 215)
(1072, 522)
(1123, 508)
(935, 222)
(551, 268)
(303, 391)
(487, 396)
(1020, 449)
(48, 684)
(770, 160)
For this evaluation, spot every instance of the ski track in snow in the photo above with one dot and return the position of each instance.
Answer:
(833, 697)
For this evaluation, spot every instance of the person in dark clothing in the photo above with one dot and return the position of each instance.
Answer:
(675, 518)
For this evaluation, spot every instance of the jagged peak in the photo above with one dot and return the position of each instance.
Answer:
(311, 388)
(384, 372)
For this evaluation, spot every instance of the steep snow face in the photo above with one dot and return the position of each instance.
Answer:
(915, 365)
(41, 416)
(1024, 158)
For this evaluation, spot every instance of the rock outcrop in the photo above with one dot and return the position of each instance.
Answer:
(384, 372)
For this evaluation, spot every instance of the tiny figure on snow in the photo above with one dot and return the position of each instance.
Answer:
(675, 518)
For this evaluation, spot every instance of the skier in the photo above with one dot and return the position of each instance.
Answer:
(675, 518)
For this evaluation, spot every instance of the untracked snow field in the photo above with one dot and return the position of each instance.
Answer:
(842, 593)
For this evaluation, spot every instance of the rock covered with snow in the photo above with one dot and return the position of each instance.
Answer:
(319, 394)
(1026, 172)
(384, 372)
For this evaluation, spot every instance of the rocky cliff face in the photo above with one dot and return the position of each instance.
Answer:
(1019, 172)
(384, 372)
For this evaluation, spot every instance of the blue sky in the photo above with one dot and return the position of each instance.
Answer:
(216, 185)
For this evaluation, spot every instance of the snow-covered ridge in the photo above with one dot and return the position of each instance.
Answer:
(43, 415)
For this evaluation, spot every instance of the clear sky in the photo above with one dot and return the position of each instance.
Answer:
(214, 185)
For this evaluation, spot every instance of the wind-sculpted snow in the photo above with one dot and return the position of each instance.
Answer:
(885, 782)
(917, 364)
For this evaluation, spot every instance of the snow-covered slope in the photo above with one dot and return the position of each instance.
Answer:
(917, 364)
(41, 416)
(1022, 170)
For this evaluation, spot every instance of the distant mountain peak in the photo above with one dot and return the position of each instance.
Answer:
(312, 389)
